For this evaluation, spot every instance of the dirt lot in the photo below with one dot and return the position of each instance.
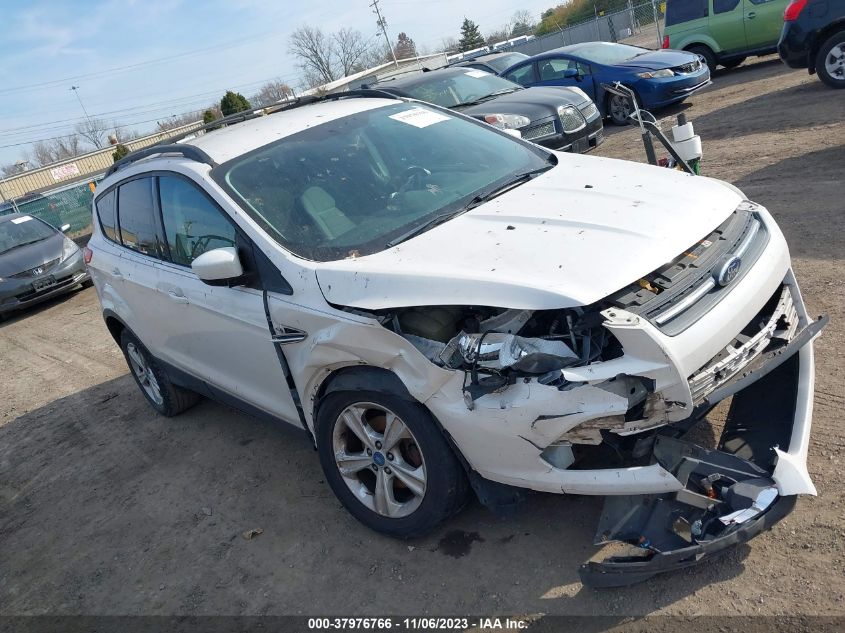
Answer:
(106, 508)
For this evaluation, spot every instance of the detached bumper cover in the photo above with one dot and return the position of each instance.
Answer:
(762, 451)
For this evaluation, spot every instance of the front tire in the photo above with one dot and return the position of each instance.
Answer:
(619, 108)
(388, 462)
(163, 395)
(830, 60)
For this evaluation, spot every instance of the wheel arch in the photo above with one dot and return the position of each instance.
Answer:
(115, 325)
(703, 41)
(820, 38)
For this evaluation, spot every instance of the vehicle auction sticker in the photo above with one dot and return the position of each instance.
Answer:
(419, 117)
(25, 218)
(477, 73)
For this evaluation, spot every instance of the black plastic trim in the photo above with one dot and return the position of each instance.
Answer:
(190, 152)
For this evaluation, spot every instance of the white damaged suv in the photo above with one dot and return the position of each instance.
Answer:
(442, 306)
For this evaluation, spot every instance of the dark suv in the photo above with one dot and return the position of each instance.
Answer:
(813, 37)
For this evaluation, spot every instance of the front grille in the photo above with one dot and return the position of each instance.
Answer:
(572, 120)
(678, 294)
(776, 324)
(590, 112)
(685, 69)
(38, 270)
(539, 131)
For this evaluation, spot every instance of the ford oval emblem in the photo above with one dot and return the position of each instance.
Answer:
(728, 271)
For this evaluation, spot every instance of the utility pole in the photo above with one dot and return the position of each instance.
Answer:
(75, 90)
(382, 24)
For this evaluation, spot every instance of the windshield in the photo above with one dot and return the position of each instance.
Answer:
(454, 89)
(607, 53)
(21, 231)
(505, 61)
(349, 186)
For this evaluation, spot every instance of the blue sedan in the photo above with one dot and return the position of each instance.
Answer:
(659, 77)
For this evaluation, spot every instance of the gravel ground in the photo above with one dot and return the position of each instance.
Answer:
(106, 508)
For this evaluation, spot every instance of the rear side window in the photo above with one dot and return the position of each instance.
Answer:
(724, 6)
(193, 224)
(524, 75)
(679, 11)
(137, 217)
(107, 212)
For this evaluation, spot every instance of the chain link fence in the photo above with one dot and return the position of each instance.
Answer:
(637, 24)
(69, 204)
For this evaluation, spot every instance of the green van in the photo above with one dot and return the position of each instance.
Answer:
(724, 32)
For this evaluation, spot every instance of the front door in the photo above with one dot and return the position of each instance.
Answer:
(564, 71)
(216, 333)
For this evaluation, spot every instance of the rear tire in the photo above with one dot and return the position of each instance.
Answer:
(163, 395)
(708, 55)
(830, 60)
(402, 479)
(732, 63)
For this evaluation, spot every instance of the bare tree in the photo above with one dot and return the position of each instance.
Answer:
(499, 35)
(523, 23)
(54, 150)
(14, 169)
(94, 131)
(315, 53)
(270, 93)
(449, 44)
(350, 47)
(179, 120)
(324, 58)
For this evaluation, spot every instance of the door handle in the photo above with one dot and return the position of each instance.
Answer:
(176, 296)
(751, 15)
(116, 273)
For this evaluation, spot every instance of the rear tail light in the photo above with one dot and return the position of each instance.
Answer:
(793, 10)
(87, 255)
(665, 41)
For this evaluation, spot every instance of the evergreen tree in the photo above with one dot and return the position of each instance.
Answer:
(405, 47)
(471, 37)
(233, 102)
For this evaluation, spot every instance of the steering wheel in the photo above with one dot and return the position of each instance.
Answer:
(411, 178)
(203, 241)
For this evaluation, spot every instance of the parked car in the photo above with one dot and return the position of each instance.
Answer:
(564, 119)
(439, 304)
(813, 37)
(494, 63)
(724, 32)
(659, 78)
(37, 262)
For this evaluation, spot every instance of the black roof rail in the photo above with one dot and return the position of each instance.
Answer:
(187, 151)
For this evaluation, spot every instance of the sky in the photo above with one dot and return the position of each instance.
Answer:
(138, 61)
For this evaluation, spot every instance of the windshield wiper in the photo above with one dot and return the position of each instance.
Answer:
(425, 226)
(517, 180)
(481, 198)
(492, 95)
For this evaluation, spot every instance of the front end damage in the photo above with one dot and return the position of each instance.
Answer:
(600, 400)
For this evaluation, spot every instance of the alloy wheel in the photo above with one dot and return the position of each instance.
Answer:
(143, 373)
(379, 459)
(834, 62)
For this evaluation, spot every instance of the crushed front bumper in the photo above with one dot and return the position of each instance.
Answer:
(763, 448)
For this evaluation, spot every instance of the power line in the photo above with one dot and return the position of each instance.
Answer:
(382, 23)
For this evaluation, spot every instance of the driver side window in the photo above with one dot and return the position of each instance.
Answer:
(192, 222)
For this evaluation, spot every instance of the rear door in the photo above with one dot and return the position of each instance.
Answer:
(727, 24)
(137, 272)
(524, 75)
(763, 22)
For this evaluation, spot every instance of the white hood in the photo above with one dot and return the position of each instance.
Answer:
(571, 236)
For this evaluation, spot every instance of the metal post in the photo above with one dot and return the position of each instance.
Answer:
(657, 23)
(596, 12)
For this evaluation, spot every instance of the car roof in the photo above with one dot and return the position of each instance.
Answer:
(8, 217)
(235, 140)
(420, 78)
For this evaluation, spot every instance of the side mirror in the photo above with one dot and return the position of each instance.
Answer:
(65, 228)
(512, 132)
(219, 266)
(571, 73)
